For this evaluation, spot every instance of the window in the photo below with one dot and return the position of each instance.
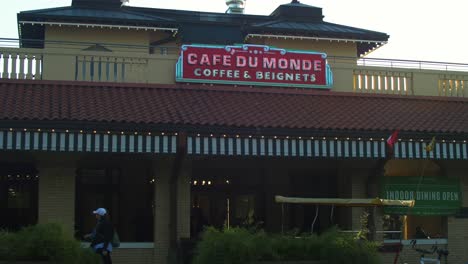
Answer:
(18, 195)
(227, 197)
(126, 193)
(435, 197)
(415, 227)
(245, 207)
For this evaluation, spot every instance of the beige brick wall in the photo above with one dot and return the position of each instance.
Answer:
(458, 227)
(133, 256)
(57, 196)
(184, 201)
(457, 239)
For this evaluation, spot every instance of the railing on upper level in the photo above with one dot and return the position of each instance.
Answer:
(83, 61)
(105, 62)
(94, 67)
(21, 63)
(405, 77)
(410, 64)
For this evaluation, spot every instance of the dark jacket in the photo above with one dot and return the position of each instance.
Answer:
(103, 233)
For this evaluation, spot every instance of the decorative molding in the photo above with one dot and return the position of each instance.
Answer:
(87, 25)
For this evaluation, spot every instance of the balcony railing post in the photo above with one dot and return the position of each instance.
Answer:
(91, 69)
(354, 82)
(22, 74)
(13, 74)
(29, 75)
(38, 72)
(113, 70)
(6, 58)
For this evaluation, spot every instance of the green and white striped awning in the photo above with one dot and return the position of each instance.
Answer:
(62, 141)
(320, 148)
(86, 142)
(442, 150)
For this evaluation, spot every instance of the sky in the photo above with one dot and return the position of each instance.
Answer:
(423, 30)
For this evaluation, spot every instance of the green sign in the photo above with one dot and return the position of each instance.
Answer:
(432, 195)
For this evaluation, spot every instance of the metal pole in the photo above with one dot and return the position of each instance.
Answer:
(282, 218)
(315, 219)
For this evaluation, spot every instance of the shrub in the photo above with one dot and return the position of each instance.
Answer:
(341, 248)
(6, 243)
(44, 242)
(238, 245)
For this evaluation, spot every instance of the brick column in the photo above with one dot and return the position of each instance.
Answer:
(184, 200)
(353, 175)
(277, 182)
(162, 170)
(457, 237)
(57, 196)
(379, 224)
(358, 190)
(344, 190)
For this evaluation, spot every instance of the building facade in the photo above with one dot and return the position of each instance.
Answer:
(174, 120)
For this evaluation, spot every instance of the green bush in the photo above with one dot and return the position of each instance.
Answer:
(6, 243)
(341, 248)
(238, 245)
(44, 242)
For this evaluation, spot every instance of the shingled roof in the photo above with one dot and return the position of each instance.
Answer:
(197, 108)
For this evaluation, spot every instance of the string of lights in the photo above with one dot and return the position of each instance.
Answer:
(149, 133)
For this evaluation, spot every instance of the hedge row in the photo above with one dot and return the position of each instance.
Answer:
(239, 246)
(44, 242)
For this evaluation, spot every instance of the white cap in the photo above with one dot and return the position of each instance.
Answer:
(100, 211)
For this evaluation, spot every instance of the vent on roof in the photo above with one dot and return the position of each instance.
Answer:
(235, 6)
(97, 47)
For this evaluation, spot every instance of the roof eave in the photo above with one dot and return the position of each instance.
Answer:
(103, 25)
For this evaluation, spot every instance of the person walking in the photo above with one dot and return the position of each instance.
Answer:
(101, 237)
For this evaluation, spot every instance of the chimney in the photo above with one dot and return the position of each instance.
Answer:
(235, 6)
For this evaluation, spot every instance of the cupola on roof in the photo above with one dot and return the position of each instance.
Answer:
(96, 3)
(297, 11)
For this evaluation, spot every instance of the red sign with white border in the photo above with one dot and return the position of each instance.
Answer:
(253, 65)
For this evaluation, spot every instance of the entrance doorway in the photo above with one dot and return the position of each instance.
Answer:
(226, 201)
